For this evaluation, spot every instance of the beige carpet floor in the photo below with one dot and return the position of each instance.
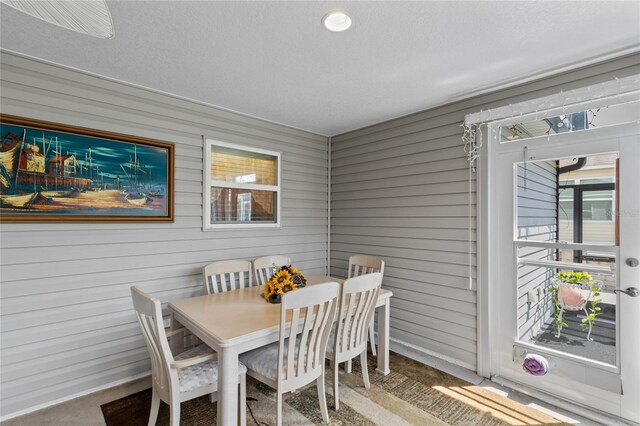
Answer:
(412, 394)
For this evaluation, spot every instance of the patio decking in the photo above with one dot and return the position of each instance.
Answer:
(573, 339)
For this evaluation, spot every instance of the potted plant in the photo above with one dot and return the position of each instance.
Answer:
(571, 292)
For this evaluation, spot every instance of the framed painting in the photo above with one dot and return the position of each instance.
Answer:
(52, 172)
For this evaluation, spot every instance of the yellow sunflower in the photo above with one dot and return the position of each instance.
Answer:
(279, 288)
(268, 289)
(282, 276)
(289, 286)
(284, 280)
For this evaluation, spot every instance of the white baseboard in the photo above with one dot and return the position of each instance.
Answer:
(449, 365)
(73, 396)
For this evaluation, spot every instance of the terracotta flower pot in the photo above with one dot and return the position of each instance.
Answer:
(571, 296)
(574, 297)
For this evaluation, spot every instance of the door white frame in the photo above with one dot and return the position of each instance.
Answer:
(630, 276)
(488, 324)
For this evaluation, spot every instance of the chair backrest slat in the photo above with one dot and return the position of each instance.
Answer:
(367, 313)
(350, 306)
(304, 342)
(357, 305)
(262, 276)
(227, 275)
(317, 314)
(355, 333)
(318, 320)
(149, 314)
(292, 357)
(224, 286)
(240, 280)
(264, 267)
(361, 264)
(154, 351)
(317, 307)
(327, 322)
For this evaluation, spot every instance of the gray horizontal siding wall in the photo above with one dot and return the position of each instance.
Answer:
(67, 323)
(537, 220)
(400, 190)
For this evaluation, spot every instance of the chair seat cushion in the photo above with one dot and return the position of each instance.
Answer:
(202, 374)
(264, 360)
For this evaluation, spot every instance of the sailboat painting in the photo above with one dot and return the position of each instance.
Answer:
(52, 172)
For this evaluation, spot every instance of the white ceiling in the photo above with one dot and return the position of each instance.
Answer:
(275, 61)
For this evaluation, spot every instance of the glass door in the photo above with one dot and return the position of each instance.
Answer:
(566, 225)
(564, 221)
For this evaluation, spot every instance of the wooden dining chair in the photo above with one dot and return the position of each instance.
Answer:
(182, 377)
(361, 264)
(264, 267)
(348, 338)
(227, 275)
(297, 360)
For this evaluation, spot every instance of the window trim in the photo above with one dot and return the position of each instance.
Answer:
(208, 183)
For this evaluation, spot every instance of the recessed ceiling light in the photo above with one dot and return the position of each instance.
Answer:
(336, 21)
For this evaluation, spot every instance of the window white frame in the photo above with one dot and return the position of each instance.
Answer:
(208, 183)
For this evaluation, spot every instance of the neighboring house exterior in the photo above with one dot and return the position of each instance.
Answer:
(598, 208)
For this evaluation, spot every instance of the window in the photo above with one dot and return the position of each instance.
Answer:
(586, 210)
(531, 127)
(241, 186)
(596, 194)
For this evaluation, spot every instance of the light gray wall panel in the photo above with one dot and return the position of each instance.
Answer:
(67, 320)
(400, 190)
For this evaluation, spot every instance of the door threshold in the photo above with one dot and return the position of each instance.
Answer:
(594, 417)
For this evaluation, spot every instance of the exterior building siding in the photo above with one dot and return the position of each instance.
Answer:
(537, 221)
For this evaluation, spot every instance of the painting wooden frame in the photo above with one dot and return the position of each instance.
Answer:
(52, 172)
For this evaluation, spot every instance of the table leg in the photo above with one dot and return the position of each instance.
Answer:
(383, 338)
(176, 343)
(228, 386)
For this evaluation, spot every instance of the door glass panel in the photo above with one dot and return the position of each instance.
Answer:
(570, 201)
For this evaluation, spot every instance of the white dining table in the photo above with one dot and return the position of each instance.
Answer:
(238, 321)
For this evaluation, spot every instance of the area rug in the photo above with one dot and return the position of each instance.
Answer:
(412, 394)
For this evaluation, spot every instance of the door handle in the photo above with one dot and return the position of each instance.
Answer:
(630, 291)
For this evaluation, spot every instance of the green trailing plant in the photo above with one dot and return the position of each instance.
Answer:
(581, 278)
(594, 309)
(558, 322)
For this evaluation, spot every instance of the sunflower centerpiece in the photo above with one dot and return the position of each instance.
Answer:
(284, 280)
